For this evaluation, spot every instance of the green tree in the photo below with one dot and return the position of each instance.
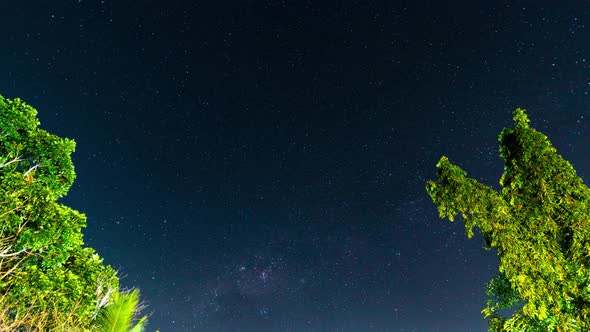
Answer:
(539, 223)
(45, 270)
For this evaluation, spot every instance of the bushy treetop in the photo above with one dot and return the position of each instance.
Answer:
(43, 264)
(540, 224)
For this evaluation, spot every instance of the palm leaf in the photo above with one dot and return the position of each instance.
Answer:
(119, 315)
(140, 326)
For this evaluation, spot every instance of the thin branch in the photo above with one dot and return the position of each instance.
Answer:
(15, 266)
(31, 169)
(6, 249)
(16, 159)
(11, 210)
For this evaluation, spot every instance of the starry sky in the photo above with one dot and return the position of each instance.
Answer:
(260, 166)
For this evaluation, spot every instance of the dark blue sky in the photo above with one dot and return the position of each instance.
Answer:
(260, 166)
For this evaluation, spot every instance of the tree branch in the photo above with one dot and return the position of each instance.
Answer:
(31, 169)
(16, 159)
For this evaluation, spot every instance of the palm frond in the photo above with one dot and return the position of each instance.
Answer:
(140, 326)
(119, 315)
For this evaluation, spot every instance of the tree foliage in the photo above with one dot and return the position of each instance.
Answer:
(45, 270)
(540, 224)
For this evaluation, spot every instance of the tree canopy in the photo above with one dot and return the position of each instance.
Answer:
(539, 223)
(48, 278)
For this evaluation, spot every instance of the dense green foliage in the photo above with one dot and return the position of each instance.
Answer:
(539, 223)
(48, 279)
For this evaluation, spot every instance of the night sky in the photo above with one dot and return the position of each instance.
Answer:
(261, 166)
